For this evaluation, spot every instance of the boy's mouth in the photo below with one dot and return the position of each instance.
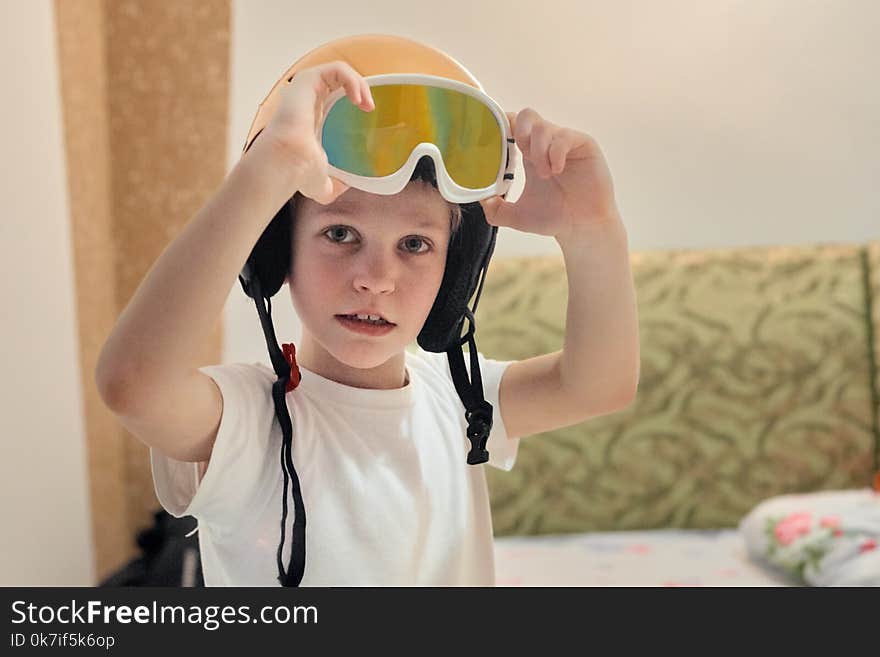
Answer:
(375, 320)
(366, 324)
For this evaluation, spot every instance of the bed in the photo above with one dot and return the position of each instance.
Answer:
(666, 557)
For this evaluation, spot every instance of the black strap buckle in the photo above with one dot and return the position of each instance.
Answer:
(479, 425)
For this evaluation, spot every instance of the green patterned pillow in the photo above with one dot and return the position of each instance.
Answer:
(755, 382)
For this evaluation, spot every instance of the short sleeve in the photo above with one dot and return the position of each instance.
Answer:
(502, 448)
(240, 467)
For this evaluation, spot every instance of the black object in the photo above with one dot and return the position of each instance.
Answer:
(169, 558)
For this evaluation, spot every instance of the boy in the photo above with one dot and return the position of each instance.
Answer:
(378, 439)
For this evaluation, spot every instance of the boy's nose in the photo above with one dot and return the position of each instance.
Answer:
(375, 273)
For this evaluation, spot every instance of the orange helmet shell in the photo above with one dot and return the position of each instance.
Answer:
(368, 54)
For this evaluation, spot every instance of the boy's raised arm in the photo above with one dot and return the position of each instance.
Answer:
(144, 373)
(183, 294)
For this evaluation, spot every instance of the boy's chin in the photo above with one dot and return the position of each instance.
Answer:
(369, 357)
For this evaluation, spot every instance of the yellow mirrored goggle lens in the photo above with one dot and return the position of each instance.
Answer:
(378, 143)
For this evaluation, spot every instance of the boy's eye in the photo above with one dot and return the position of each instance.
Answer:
(414, 245)
(345, 235)
(337, 234)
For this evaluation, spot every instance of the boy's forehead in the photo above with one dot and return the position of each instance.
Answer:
(425, 207)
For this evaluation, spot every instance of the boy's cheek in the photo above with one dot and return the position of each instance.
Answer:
(312, 268)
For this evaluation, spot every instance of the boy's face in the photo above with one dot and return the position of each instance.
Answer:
(364, 252)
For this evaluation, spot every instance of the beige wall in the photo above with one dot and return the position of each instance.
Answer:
(45, 512)
(724, 123)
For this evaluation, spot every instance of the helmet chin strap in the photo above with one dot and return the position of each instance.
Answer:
(478, 411)
(293, 576)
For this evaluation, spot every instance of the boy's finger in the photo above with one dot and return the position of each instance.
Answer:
(540, 140)
(523, 132)
(340, 74)
(366, 96)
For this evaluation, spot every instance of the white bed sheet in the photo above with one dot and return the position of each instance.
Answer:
(664, 557)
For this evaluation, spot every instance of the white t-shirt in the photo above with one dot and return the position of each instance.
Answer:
(389, 496)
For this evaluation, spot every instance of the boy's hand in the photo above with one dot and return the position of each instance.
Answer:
(294, 124)
(568, 184)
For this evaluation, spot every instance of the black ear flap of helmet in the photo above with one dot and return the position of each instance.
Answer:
(469, 250)
(270, 258)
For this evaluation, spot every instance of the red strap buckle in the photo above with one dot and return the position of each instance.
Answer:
(290, 354)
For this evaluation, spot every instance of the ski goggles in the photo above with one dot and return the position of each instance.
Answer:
(462, 129)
